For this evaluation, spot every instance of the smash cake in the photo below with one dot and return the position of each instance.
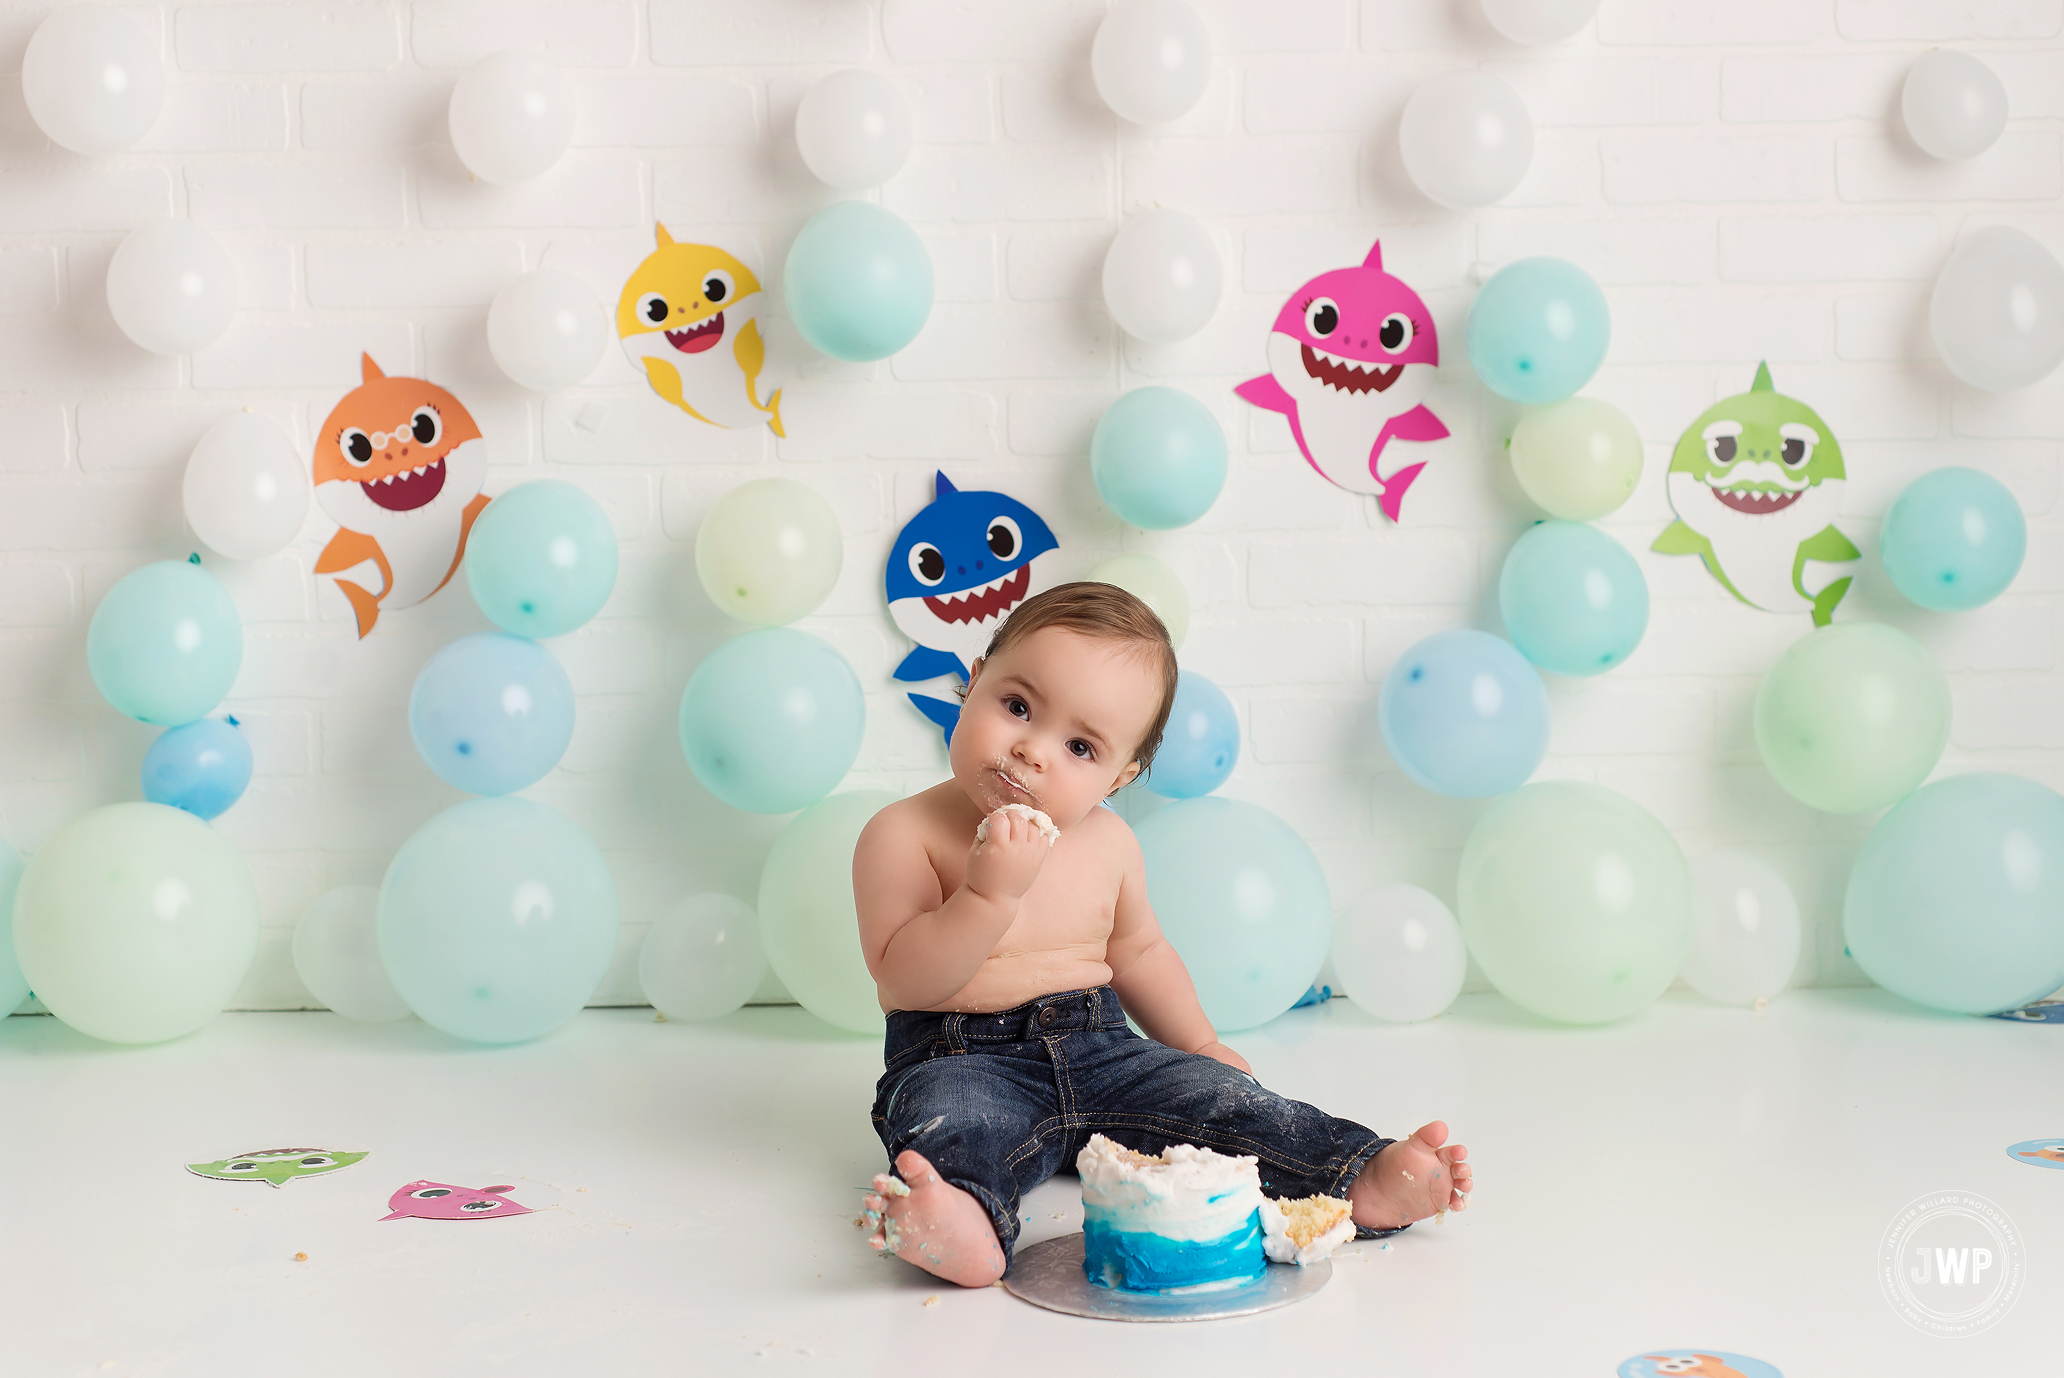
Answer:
(1191, 1220)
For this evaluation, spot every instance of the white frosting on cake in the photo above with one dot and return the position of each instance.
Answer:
(1186, 1193)
(1279, 1246)
(1037, 819)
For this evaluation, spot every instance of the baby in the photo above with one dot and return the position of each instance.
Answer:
(1008, 960)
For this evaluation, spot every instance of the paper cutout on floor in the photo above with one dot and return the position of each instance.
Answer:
(957, 570)
(398, 466)
(443, 1201)
(277, 1166)
(1756, 483)
(2049, 1010)
(1351, 358)
(2038, 1152)
(1695, 1363)
(689, 321)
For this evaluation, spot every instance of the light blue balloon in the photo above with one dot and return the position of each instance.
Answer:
(858, 281)
(771, 720)
(492, 713)
(1158, 458)
(1464, 714)
(497, 920)
(165, 643)
(541, 559)
(1957, 898)
(1202, 743)
(1537, 330)
(202, 767)
(1953, 539)
(14, 987)
(1243, 901)
(1573, 598)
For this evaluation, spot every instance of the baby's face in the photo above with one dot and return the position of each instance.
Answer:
(1053, 722)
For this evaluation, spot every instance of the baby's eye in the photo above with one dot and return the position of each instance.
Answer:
(1018, 708)
(1082, 750)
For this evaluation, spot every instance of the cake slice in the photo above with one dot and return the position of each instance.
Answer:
(1305, 1230)
(1031, 815)
(1184, 1220)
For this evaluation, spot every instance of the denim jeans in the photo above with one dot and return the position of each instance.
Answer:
(998, 1103)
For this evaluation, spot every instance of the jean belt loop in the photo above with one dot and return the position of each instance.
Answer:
(949, 1033)
(1096, 1007)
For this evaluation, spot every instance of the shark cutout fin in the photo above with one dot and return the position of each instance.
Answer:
(1375, 258)
(942, 485)
(1762, 383)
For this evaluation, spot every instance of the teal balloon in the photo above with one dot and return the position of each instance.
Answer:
(1573, 598)
(14, 987)
(1201, 744)
(858, 282)
(491, 713)
(497, 920)
(1158, 458)
(1954, 539)
(1243, 901)
(1957, 898)
(541, 559)
(808, 921)
(165, 643)
(1464, 714)
(771, 721)
(202, 766)
(1537, 330)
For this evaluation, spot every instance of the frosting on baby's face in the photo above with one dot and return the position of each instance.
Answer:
(1052, 723)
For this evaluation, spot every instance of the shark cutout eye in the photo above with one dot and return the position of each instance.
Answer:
(1395, 332)
(478, 1205)
(717, 286)
(357, 447)
(427, 1193)
(1322, 317)
(927, 565)
(1720, 438)
(240, 1167)
(1799, 440)
(426, 425)
(318, 1161)
(653, 308)
(1005, 540)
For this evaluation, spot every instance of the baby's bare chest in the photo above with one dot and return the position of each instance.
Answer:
(1071, 905)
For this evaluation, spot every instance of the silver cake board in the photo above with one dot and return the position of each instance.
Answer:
(1049, 1274)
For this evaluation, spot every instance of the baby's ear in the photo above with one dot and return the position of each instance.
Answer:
(1125, 777)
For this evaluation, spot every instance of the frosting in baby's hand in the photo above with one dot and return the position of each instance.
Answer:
(1031, 815)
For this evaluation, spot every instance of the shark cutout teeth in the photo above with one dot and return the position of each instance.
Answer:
(1349, 375)
(1756, 501)
(992, 599)
(696, 338)
(408, 490)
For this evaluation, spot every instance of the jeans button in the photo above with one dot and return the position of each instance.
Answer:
(1047, 1017)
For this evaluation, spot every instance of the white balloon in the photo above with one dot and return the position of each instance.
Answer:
(547, 330)
(702, 959)
(1539, 21)
(1467, 138)
(92, 79)
(1162, 277)
(1399, 953)
(337, 956)
(172, 287)
(246, 488)
(1997, 314)
(512, 115)
(853, 129)
(1151, 59)
(1745, 938)
(1954, 105)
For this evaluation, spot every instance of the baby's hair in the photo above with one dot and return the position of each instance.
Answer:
(1106, 613)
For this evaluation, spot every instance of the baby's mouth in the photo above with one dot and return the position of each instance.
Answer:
(1010, 782)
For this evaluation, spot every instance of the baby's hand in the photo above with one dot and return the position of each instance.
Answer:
(1003, 864)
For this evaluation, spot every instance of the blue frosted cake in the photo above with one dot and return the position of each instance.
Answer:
(1185, 1220)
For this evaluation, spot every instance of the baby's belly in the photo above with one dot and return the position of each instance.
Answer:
(1008, 979)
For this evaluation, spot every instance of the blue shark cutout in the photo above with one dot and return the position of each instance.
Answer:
(957, 570)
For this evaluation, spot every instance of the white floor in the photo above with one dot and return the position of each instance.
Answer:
(1696, 1176)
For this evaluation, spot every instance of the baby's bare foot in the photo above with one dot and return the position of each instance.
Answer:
(1412, 1179)
(928, 1221)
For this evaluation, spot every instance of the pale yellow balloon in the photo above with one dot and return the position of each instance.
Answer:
(1578, 459)
(808, 923)
(769, 551)
(1153, 583)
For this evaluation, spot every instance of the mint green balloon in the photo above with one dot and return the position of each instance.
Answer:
(14, 987)
(136, 923)
(1852, 717)
(1575, 901)
(808, 923)
(541, 559)
(165, 643)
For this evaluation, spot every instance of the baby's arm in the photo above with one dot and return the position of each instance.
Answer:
(1149, 974)
(920, 950)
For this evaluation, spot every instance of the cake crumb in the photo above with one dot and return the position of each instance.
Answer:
(1408, 1176)
(1760, 1004)
(300, 1258)
(931, 1300)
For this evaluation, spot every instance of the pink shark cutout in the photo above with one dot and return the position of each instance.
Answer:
(1351, 355)
(443, 1201)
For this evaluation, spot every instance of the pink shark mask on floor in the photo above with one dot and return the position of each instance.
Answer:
(1351, 359)
(442, 1201)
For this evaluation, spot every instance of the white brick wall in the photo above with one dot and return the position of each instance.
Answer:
(1732, 173)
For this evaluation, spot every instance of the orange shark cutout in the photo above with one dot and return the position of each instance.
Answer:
(398, 466)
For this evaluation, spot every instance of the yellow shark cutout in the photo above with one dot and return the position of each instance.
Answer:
(676, 314)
